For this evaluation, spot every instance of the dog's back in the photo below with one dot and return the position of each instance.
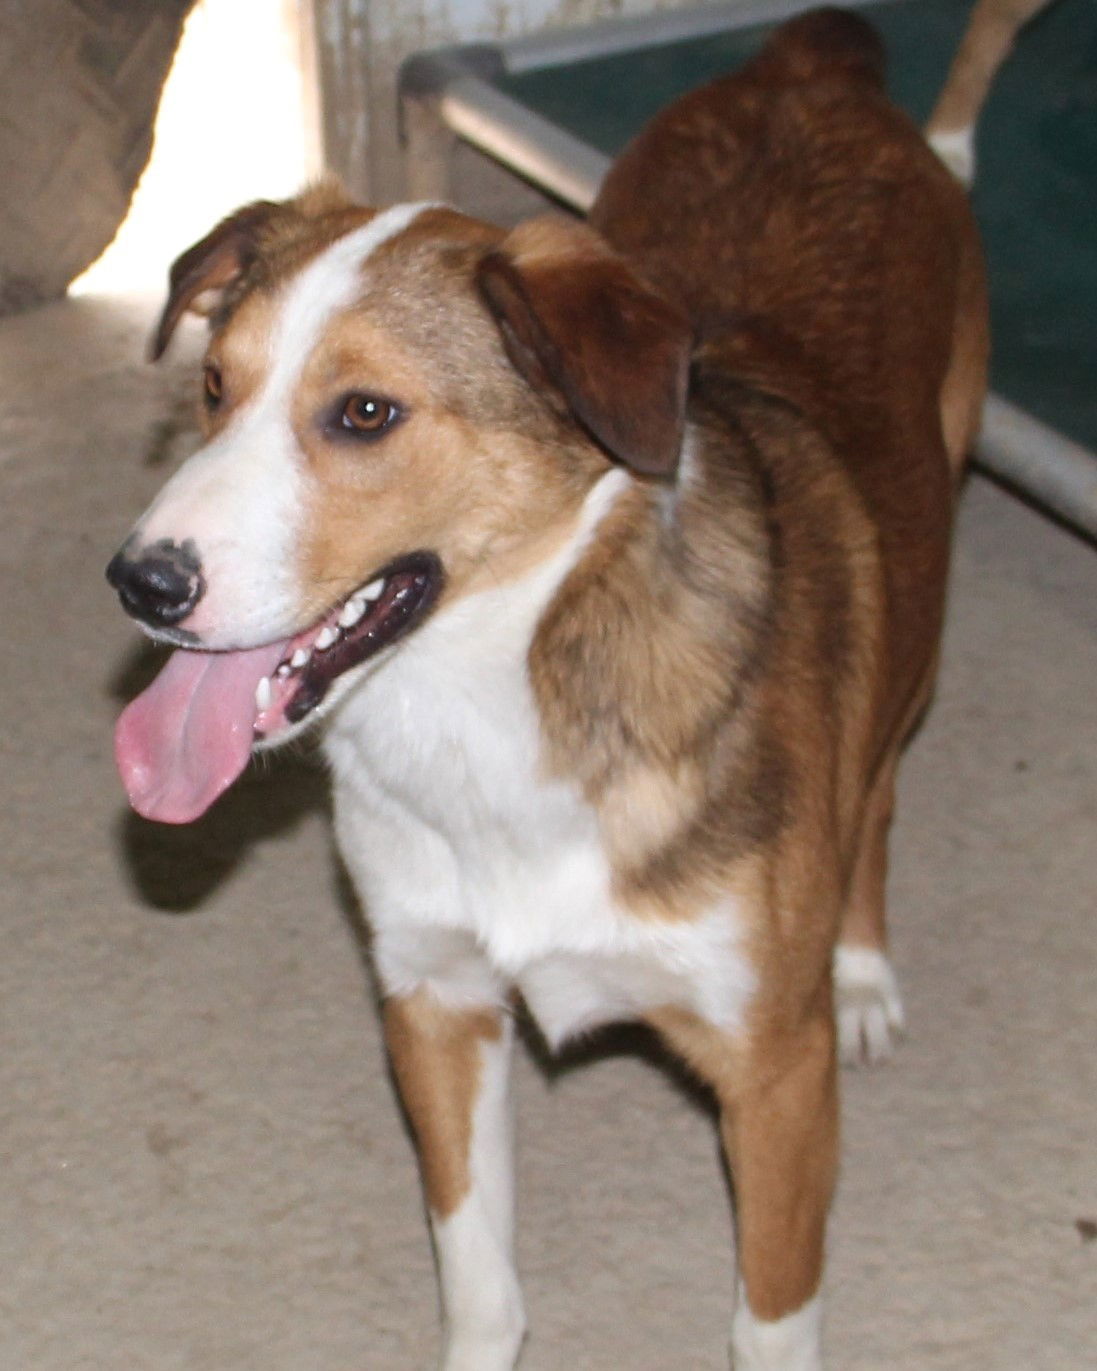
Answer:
(828, 257)
(795, 191)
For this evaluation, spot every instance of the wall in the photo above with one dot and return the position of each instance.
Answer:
(361, 43)
(79, 82)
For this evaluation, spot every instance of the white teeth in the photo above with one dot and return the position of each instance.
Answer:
(352, 612)
(263, 695)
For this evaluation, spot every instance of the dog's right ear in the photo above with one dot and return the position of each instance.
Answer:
(201, 275)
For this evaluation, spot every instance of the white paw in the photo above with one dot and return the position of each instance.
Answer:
(477, 1353)
(486, 1324)
(867, 1005)
(484, 1318)
(789, 1344)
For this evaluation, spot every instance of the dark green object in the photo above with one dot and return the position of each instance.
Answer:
(1036, 184)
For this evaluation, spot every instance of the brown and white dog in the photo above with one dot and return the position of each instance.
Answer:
(613, 561)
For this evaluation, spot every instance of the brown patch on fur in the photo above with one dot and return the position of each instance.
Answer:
(776, 1082)
(863, 918)
(638, 656)
(242, 356)
(823, 45)
(712, 648)
(782, 1146)
(435, 1054)
(639, 668)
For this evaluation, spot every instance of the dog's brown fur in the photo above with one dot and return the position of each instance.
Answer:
(744, 675)
(435, 1059)
(842, 326)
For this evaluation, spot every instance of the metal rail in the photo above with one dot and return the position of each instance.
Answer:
(1043, 464)
(540, 151)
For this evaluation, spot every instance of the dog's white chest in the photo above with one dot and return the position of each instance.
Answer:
(477, 872)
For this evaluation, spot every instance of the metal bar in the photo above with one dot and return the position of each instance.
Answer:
(1047, 466)
(533, 147)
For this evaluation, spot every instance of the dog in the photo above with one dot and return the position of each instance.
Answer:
(611, 560)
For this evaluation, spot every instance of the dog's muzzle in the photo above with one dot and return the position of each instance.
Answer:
(158, 585)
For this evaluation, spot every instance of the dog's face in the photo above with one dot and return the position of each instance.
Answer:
(396, 411)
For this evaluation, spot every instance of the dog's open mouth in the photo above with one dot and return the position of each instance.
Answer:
(370, 619)
(182, 742)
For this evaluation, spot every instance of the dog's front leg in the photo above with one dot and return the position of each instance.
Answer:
(779, 1123)
(452, 1068)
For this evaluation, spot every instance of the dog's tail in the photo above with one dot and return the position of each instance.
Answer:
(822, 41)
(985, 46)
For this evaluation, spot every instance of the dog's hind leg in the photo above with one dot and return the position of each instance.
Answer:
(868, 1008)
(452, 1068)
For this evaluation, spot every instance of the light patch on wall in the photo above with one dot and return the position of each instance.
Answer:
(232, 127)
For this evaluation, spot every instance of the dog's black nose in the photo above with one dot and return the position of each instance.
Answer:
(160, 584)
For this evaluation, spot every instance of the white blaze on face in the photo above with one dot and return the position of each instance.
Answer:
(239, 499)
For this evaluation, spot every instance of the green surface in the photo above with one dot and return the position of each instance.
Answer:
(1036, 189)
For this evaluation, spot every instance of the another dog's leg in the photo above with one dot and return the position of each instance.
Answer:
(779, 1123)
(452, 1067)
(867, 1002)
(984, 47)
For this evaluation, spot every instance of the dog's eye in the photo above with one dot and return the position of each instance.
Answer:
(368, 416)
(212, 386)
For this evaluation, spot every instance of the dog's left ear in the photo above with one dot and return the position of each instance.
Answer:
(580, 326)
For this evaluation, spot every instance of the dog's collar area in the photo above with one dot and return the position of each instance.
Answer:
(373, 617)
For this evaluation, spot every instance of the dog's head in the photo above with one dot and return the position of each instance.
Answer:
(398, 407)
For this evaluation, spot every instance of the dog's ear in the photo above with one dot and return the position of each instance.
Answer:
(200, 276)
(580, 326)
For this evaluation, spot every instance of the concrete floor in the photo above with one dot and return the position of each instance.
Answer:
(201, 1163)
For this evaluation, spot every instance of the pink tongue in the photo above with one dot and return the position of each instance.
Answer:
(185, 739)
